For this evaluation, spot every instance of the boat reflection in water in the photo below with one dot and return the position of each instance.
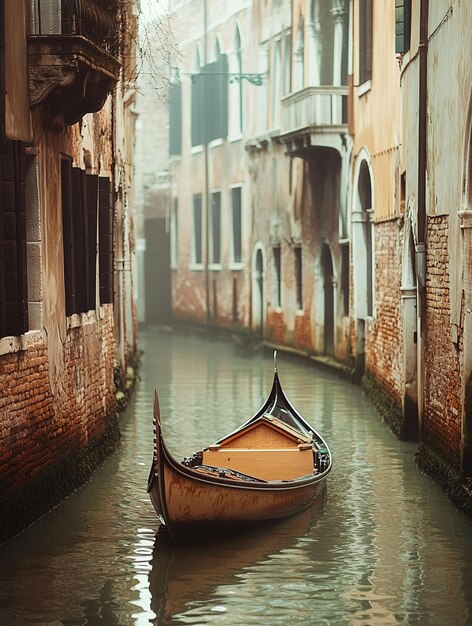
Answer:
(185, 577)
(273, 466)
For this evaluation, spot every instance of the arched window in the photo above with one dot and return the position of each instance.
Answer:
(363, 240)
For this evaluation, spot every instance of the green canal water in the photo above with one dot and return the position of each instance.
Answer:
(383, 547)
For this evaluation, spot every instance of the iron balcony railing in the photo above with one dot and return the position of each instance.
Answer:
(314, 106)
(95, 20)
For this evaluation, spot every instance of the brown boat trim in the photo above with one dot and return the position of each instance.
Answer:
(275, 397)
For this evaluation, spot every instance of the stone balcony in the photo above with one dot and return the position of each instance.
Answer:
(73, 55)
(314, 116)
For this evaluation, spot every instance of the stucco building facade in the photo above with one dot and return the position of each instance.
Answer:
(66, 313)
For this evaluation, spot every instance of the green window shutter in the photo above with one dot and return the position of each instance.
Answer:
(402, 25)
(175, 119)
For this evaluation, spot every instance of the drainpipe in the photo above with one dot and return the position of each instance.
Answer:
(206, 174)
(421, 234)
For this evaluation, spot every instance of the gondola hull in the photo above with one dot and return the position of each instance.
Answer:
(273, 466)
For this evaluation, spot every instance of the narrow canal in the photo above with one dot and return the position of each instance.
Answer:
(384, 546)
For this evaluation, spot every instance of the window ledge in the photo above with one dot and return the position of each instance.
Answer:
(196, 149)
(236, 265)
(364, 88)
(215, 266)
(81, 319)
(215, 143)
(235, 137)
(10, 345)
(196, 266)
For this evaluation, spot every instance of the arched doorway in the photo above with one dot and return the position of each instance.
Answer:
(258, 289)
(328, 288)
(363, 251)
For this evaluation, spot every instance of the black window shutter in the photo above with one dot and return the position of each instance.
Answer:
(13, 277)
(92, 216)
(105, 238)
(79, 225)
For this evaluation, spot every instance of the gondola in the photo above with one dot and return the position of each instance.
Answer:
(273, 466)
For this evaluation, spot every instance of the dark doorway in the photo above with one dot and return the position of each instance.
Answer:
(327, 270)
(157, 272)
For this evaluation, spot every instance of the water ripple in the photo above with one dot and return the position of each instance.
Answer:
(383, 547)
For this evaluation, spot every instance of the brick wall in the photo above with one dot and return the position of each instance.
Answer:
(442, 411)
(384, 341)
(302, 335)
(38, 429)
(276, 327)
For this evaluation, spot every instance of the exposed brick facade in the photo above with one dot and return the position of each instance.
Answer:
(384, 341)
(38, 428)
(442, 409)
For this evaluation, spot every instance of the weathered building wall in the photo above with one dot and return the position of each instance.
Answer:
(58, 406)
(384, 359)
(204, 291)
(376, 208)
(39, 428)
(443, 389)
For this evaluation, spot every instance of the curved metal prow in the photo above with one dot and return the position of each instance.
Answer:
(275, 361)
(157, 410)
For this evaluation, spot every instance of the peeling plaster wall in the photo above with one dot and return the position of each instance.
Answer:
(377, 141)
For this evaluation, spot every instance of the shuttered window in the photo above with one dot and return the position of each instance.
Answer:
(13, 279)
(210, 102)
(80, 237)
(365, 40)
(92, 226)
(106, 253)
(86, 199)
(237, 224)
(197, 228)
(216, 227)
(402, 25)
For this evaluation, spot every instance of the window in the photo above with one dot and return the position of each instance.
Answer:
(365, 40)
(216, 228)
(402, 25)
(92, 231)
(174, 234)
(197, 228)
(209, 101)
(345, 265)
(175, 119)
(86, 207)
(13, 280)
(105, 240)
(298, 277)
(277, 275)
(237, 224)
